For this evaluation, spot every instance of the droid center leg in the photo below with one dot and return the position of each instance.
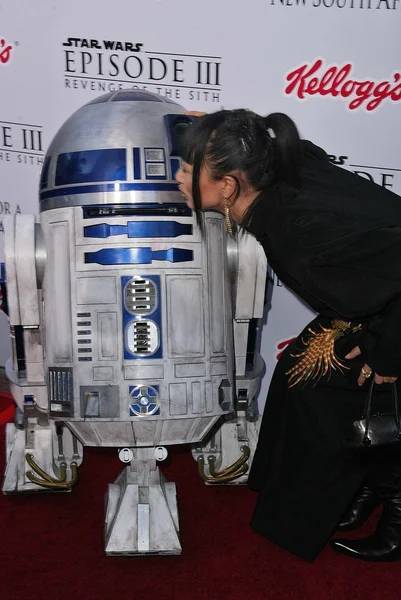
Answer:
(141, 513)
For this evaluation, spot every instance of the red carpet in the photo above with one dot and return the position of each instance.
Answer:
(51, 547)
(7, 408)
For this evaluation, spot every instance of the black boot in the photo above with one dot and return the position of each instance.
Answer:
(385, 544)
(360, 510)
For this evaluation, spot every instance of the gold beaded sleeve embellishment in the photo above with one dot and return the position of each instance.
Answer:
(318, 358)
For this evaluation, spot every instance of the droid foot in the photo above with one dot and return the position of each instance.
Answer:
(141, 514)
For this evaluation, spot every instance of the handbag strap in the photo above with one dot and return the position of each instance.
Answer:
(396, 408)
(367, 411)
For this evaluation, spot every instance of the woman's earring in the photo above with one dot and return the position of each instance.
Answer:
(227, 218)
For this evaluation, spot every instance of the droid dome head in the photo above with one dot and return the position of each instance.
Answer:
(121, 147)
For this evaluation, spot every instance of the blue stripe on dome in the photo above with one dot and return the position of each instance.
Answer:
(88, 166)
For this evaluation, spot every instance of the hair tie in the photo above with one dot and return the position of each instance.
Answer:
(245, 147)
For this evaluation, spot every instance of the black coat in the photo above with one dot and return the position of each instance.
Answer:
(337, 245)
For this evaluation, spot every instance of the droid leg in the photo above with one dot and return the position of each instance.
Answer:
(142, 514)
(225, 456)
(42, 456)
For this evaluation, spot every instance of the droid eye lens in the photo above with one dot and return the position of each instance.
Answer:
(180, 127)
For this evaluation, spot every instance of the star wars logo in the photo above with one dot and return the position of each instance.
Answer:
(110, 65)
(384, 176)
(21, 142)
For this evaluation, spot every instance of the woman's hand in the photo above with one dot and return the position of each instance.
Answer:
(195, 113)
(366, 371)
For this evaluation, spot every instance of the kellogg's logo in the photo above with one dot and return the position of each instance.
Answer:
(5, 51)
(338, 82)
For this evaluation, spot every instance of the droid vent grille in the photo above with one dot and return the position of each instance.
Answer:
(140, 297)
(60, 384)
(142, 338)
(84, 331)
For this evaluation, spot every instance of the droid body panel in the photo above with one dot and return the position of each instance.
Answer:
(129, 328)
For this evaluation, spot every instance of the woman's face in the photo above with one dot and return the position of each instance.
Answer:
(211, 191)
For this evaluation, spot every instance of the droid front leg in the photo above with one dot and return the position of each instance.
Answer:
(225, 456)
(41, 456)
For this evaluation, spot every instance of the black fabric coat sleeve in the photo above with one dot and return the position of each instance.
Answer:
(364, 288)
(337, 245)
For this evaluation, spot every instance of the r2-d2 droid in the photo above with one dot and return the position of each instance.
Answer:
(129, 329)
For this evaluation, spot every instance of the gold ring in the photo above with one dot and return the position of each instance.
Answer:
(366, 374)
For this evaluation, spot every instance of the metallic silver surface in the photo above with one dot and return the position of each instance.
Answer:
(40, 255)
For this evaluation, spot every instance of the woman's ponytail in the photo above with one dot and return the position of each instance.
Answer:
(287, 149)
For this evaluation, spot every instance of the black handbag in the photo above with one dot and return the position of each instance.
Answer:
(377, 430)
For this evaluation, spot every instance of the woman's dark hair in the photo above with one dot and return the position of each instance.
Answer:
(232, 142)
